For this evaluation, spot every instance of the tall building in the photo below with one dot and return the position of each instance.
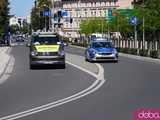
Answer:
(79, 10)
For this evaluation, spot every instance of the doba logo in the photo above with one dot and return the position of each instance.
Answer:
(148, 114)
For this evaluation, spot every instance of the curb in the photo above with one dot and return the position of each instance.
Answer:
(141, 58)
(4, 55)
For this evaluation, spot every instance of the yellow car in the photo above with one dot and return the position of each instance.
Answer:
(46, 49)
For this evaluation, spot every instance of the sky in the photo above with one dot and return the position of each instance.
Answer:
(21, 7)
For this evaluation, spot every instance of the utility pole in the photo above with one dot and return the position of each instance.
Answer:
(109, 19)
(143, 27)
(102, 17)
(51, 12)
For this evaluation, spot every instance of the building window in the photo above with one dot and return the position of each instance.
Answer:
(95, 13)
(94, 4)
(91, 4)
(85, 14)
(77, 14)
(66, 25)
(105, 12)
(91, 13)
(86, 5)
(100, 13)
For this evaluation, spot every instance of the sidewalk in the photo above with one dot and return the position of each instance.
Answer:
(146, 59)
(4, 58)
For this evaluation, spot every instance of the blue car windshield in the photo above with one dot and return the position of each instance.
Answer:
(102, 45)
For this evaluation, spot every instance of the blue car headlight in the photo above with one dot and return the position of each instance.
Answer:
(114, 51)
(93, 52)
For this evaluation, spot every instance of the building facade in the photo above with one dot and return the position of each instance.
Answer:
(79, 10)
(19, 21)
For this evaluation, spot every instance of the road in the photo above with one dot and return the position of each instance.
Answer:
(130, 85)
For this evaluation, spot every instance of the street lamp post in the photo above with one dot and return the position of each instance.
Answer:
(143, 27)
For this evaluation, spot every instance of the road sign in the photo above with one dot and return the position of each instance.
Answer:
(126, 12)
(64, 14)
(134, 20)
(109, 13)
(47, 13)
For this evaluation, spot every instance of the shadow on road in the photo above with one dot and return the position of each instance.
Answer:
(48, 67)
(105, 62)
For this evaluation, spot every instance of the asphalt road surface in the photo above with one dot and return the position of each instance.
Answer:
(130, 85)
(26, 88)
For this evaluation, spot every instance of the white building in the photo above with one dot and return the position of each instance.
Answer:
(125, 4)
(13, 21)
(19, 20)
(28, 19)
(82, 9)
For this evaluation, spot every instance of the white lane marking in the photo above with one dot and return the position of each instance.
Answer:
(8, 70)
(100, 72)
(95, 86)
(83, 69)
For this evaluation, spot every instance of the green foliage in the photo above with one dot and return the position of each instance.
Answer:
(143, 53)
(37, 20)
(98, 25)
(13, 29)
(152, 14)
(154, 54)
(4, 17)
(122, 24)
(44, 4)
(93, 25)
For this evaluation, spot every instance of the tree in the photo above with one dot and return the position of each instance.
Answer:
(35, 19)
(14, 29)
(4, 17)
(93, 25)
(38, 21)
(150, 9)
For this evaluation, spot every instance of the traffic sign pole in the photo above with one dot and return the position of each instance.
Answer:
(135, 36)
(109, 19)
(134, 22)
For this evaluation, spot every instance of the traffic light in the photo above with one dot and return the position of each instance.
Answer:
(59, 20)
(59, 14)
(41, 13)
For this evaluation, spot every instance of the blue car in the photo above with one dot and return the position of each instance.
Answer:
(101, 51)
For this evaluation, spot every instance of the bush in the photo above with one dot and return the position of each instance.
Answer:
(143, 53)
(125, 50)
(133, 51)
(65, 39)
(128, 50)
(154, 54)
